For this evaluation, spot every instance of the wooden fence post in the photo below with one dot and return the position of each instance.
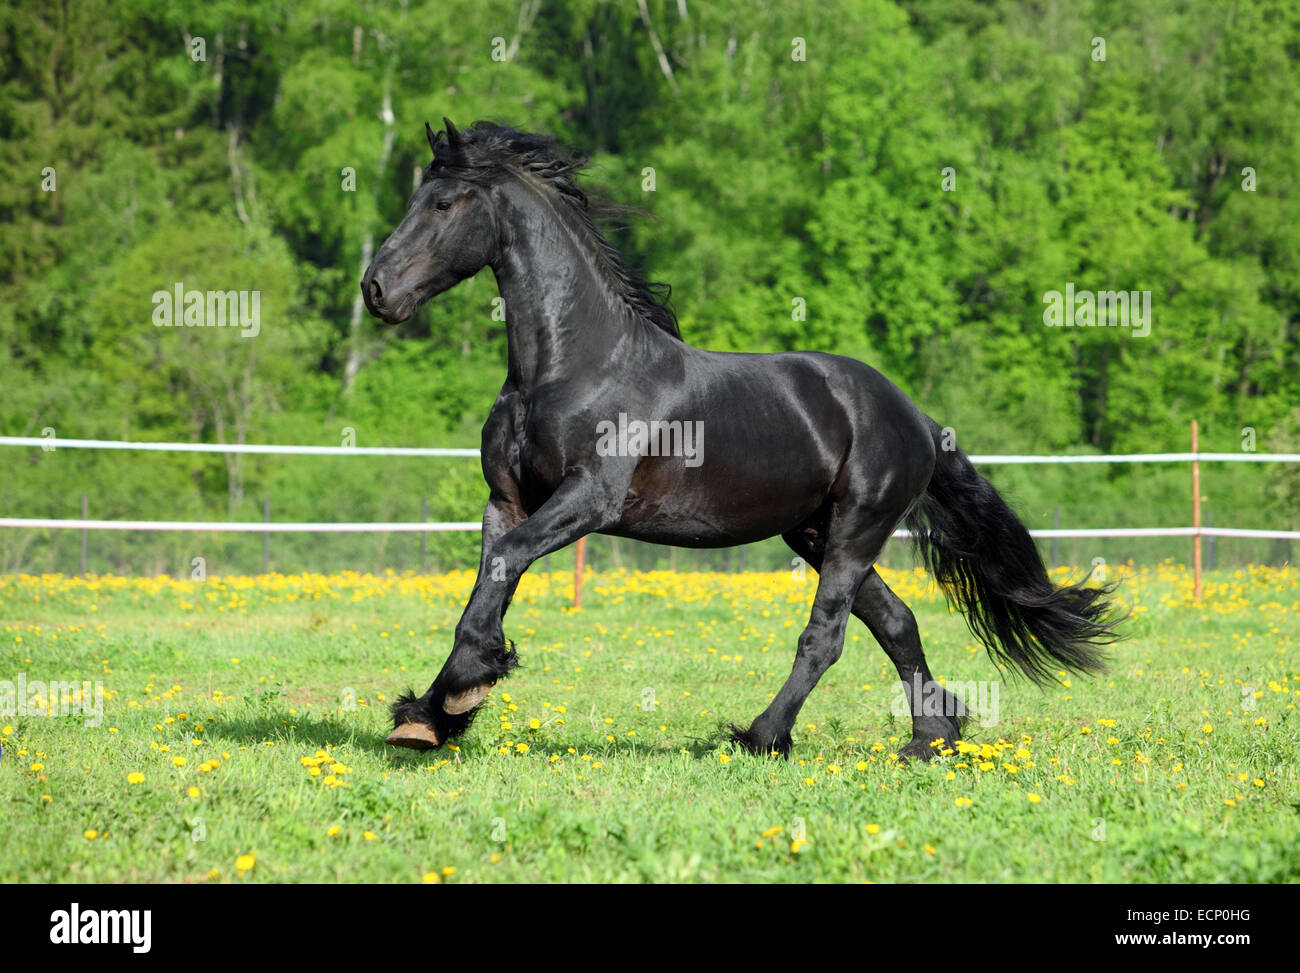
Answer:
(579, 564)
(424, 535)
(1056, 541)
(85, 534)
(1196, 517)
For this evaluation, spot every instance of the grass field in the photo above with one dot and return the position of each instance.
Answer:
(243, 719)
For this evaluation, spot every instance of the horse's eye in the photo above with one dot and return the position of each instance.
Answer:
(444, 204)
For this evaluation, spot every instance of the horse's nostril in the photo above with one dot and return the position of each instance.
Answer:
(376, 292)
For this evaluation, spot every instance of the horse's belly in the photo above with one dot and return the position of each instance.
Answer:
(714, 506)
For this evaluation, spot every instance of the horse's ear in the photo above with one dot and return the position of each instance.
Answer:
(453, 136)
(432, 136)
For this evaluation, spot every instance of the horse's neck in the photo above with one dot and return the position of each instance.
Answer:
(562, 319)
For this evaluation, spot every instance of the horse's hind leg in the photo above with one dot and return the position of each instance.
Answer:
(936, 713)
(852, 545)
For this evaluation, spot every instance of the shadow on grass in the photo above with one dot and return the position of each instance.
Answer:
(262, 725)
(259, 725)
(593, 743)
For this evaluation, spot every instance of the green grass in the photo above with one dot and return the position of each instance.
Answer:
(626, 779)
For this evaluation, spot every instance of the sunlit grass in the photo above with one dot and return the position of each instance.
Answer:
(243, 719)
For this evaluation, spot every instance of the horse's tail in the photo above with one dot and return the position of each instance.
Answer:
(986, 562)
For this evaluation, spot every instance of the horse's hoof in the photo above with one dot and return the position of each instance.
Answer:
(917, 750)
(466, 701)
(414, 736)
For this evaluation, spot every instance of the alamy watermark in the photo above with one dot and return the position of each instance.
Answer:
(978, 699)
(1099, 309)
(654, 437)
(179, 308)
(55, 698)
(130, 927)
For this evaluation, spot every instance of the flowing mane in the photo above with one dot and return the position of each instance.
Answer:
(487, 146)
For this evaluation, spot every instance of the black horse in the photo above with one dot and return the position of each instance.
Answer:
(599, 428)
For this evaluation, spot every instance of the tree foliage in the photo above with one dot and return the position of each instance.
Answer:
(900, 182)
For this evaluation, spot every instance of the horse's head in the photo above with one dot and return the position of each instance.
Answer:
(449, 233)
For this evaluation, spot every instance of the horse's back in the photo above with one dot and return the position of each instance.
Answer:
(777, 437)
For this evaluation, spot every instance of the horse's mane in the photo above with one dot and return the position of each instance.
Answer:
(487, 146)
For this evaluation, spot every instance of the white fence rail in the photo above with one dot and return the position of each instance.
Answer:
(51, 444)
(243, 526)
(409, 527)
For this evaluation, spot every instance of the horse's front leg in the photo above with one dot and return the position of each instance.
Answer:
(479, 657)
(414, 719)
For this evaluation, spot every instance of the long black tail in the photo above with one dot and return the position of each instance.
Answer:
(986, 562)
